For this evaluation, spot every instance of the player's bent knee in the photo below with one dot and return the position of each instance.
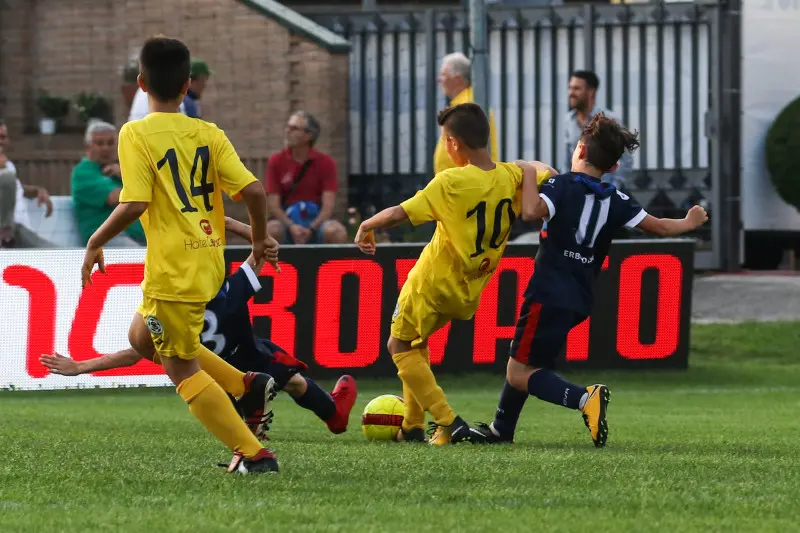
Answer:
(333, 232)
(276, 230)
(518, 374)
(296, 386)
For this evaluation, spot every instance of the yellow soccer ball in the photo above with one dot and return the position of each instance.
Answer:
(382, 417)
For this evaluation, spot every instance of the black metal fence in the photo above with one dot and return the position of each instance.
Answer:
(654, 62)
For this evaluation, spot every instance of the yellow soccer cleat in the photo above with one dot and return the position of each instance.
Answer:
(456, 432)
(594, 413)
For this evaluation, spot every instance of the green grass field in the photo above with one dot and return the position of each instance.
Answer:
(711, 449)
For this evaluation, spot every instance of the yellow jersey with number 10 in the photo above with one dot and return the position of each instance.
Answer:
(180, 166)
(474, 210)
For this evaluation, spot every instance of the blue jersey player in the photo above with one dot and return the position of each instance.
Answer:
(581, 216)
(228, 333)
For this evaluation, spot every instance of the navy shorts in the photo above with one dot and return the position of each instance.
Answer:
(541, 333)
(269, 358)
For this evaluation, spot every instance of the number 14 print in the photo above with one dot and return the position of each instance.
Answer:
(204, 189)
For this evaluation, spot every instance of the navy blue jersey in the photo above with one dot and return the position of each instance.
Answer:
(583, 217)
(227, 331)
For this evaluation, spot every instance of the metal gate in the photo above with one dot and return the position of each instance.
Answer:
(662, 69)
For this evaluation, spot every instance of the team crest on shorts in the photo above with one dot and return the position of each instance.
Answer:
(154, 325)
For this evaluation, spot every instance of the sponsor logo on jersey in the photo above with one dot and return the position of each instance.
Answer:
(205, 225)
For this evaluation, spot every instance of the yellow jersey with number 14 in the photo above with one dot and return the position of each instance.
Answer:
(474, 210)
(180, 166)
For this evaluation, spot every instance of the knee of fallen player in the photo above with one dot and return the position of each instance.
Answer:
(333, 232)
(296, 386)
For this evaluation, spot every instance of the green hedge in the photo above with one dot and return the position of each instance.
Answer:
(783, 153)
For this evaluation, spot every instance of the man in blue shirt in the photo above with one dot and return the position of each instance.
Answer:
(583, 85)
(199, 75)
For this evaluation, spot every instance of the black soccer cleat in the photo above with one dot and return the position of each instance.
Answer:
(456, 432)
(486, 434)
(264, 462)
(413, 435)
(254, 405)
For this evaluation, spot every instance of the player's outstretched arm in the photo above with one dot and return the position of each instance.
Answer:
(388, 218)
(243, 230)
(64, 366)
(264, 246)
(670, 227)
(122, 217)
(533, 206)
(238, 228)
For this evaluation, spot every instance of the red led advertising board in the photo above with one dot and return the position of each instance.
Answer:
(331, 307)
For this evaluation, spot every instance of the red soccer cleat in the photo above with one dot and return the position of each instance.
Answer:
(344, 396)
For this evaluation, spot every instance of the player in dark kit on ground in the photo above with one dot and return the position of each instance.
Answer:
(581, 216)
(228, 333)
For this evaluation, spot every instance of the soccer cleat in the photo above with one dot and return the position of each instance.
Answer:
(412, 435)
(344, 396)
(264, 462)
(486, 434)
(456, 432)
(254, 405)
(594, 413)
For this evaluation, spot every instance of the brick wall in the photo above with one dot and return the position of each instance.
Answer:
(261, 72)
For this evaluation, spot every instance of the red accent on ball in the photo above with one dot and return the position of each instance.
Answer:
(381, 420)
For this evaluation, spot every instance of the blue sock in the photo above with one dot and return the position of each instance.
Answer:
(317, 400)
(551, 387)
(508, 410)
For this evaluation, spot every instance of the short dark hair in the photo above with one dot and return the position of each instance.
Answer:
(606, 140)
(591, 79)
(164, 65)
(468, 123)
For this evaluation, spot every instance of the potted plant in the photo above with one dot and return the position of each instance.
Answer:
(92, 106)
(53, 109)
(783, 153)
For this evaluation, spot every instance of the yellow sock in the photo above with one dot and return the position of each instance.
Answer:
(415, 372)
(229, 378)
(209, 403)
(413, 413)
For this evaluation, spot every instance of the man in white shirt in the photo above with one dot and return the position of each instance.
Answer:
(141, 107)
(14, 222)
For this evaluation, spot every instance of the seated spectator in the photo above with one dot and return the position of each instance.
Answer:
(96, 186)
(301, 186)
(14, 224)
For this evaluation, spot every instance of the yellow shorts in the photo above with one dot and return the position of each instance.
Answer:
(174, 326)
(414, 319)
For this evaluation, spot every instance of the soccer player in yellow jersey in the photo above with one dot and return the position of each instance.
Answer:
(174, 170)
(474, 205)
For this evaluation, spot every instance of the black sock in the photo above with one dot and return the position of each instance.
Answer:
(508, 410)
(551, 387)
(317, 400)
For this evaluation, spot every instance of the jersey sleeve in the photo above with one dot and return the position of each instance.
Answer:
(241, 286)
(430, 203)
(631, 213)
(137, 172)
(552, 191)
(233, 175)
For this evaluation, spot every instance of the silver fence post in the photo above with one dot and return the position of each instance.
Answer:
(480, 61)
(431, 136)
(588, 37)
